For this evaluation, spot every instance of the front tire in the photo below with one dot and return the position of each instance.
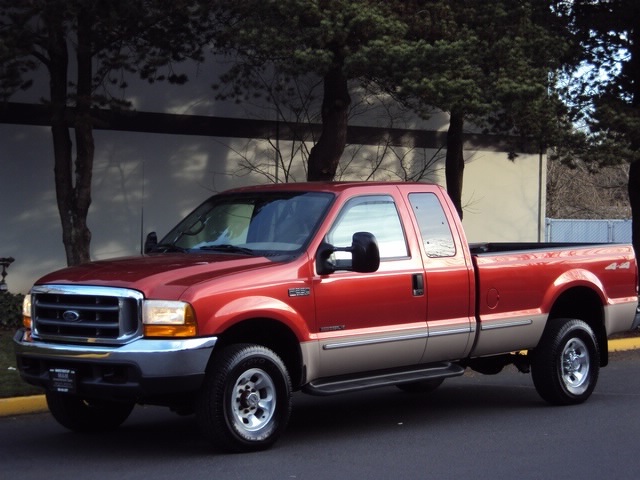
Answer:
(566, 364)
(84, 415)
(245, 402)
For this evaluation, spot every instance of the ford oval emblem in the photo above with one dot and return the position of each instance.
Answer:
(71, 316)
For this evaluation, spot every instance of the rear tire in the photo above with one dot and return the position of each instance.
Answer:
(82, 415)
(245, 402)
(566, 364)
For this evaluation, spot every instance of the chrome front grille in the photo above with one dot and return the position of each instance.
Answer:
(99, 315)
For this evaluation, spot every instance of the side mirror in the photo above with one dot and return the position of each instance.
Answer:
(150, 242)
(365, 255)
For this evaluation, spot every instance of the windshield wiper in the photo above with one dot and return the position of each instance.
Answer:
(225, 247)
(167, 248)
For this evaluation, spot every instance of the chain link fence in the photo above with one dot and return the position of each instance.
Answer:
(589, 231)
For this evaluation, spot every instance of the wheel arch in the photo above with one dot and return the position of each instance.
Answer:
(583, 303)
(271, 334)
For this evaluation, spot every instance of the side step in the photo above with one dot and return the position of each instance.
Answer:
(382, 378)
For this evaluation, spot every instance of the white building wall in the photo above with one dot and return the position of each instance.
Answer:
(504, 200)
(166, 176)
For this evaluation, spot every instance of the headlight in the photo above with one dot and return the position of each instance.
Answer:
(26, 311)
(163, 318)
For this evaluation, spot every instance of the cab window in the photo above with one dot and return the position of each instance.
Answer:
(376, 214)
(434, 227)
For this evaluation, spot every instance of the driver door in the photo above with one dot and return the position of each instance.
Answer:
(369, 321)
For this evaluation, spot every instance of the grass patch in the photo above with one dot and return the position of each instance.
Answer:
(11, 385)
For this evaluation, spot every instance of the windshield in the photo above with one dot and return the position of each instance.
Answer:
(259, 223)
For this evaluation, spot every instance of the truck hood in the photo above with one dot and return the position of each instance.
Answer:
(164, 275)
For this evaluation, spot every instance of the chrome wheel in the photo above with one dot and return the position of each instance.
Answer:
(566, 363)
(254, 400)
(245, 401)
(575, 366)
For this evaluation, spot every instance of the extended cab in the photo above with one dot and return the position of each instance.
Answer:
(319, 287)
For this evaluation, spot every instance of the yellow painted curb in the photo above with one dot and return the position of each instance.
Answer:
(622, 344)
(22, 405)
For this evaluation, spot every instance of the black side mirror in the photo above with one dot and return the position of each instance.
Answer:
(150, 242)
(365, 255)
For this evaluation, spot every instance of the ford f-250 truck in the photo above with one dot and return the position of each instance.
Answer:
(324, 288)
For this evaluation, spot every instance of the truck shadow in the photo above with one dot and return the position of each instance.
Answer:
(389, 407)
(152, 432)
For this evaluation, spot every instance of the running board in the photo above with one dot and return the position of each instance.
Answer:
(353, 383)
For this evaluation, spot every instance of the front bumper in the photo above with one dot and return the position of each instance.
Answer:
(141, 370)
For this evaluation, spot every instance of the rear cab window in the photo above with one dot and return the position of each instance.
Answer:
(434, 228)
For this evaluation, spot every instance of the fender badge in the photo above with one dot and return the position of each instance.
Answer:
(299, 292)
(332, 328)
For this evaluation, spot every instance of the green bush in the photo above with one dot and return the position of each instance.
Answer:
(10, 310)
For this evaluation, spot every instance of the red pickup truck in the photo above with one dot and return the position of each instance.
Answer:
(324, 288)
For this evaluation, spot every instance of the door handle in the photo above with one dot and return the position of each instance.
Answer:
(417, 281)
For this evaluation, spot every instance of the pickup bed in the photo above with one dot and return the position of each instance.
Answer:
(319, 287)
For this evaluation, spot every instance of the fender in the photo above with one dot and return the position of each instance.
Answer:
(577, 277)
(252, 307)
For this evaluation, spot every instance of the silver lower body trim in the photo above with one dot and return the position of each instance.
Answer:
(374, 341)
(513, 323)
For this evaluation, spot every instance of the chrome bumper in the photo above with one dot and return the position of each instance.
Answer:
(141, 368)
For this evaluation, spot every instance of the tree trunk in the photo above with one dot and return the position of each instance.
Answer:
(634, 201)
(454, 162)
(73, 200)
(84, 138)
(325, 155)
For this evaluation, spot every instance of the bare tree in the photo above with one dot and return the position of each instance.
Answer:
(283, 156)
